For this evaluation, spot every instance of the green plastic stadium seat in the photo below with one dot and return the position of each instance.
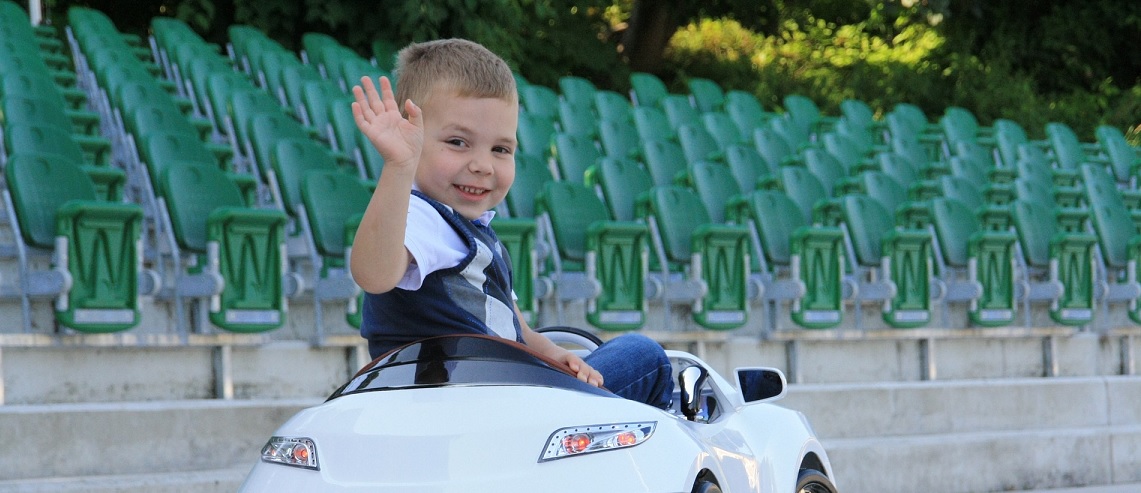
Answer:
(664, 159)
(867, 143)
(96, 272)
(793, 134)
(596, 259)
(265, 130)
(717, 188)
(891, 266)
(573, 155)
(746, 111)
(723, 130)
(17, 110)
(531, 174)
(960, 125)
(536, 135)
(652, 124)
(796, 263)
(620, 183)
(1068, 152)
(292, 159)
(613, 106)
(1118, 239)
(810, 196)
(240, 276)
(697, 144)
(577, 119)
(578, 91)
(773, 148)
(1058, 267)
(520, 237)
(679, 111)
(540, 101)
(804, 112)
(333, 203)
(975, 265)
(646, 89)
(1124, 158)
(619, 139)
(702, 263)
(39, 139)
(317, 96)
(859, 113)
(708, 96)
(748, 167)
(1070, 218)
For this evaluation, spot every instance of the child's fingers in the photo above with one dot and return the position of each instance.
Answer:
(584, 372)
(590, 376)
(359, 116)
(387, 95)
(372, 96)
(360, 104)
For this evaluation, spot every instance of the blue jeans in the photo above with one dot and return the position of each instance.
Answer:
(635, 367)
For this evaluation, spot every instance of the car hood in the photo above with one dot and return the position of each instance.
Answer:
(459, 435)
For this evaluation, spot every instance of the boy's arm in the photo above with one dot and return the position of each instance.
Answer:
(540, 343)
(379, 258)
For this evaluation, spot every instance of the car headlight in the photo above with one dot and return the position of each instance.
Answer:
(291, 451)
(579, 440)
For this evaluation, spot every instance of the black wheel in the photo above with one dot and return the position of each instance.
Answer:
(571, 336)
(813, 481)
(706, 487)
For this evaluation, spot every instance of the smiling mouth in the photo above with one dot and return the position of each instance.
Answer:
(472, 190)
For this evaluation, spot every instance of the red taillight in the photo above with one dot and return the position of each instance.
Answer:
(300, 454)
(583, 440)
(626, 439)
(291, 451)
(576, 443)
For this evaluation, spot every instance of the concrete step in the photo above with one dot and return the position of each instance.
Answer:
(1018, 433)
(208, 481)
(988, 461)
(966, 406)
(127, 368)
(126, 438)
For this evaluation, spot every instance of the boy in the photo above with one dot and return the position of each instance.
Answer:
(424, 253)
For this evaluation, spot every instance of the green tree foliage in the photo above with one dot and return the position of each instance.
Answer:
(933, 54)
(1033, 61)
(544, 39)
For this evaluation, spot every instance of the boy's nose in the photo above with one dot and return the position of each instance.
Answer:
(480, 165)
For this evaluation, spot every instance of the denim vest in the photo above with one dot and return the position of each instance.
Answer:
(472, 297)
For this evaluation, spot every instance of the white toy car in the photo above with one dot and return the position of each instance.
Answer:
(472, 414)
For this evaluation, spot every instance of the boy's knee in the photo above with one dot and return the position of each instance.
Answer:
(642, 345)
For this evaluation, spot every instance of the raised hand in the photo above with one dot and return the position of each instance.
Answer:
(399, 140)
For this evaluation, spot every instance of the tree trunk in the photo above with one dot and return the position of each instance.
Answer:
(652, 24)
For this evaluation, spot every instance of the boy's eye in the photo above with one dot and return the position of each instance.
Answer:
(456, 142)
(503, 150)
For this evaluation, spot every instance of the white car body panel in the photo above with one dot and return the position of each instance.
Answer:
(485, 438)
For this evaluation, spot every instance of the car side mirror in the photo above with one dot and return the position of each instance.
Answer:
(690, 380)
(761, 384)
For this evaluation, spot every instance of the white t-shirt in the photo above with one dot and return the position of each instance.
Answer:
(433, 243)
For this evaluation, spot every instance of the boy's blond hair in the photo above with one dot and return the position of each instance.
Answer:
(465, 68)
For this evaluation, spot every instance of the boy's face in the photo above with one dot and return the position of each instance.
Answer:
(468, 160)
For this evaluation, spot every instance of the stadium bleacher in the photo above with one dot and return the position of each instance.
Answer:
(168, 199)
(266, 117)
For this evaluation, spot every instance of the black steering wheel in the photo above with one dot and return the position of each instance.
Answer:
(571, 336)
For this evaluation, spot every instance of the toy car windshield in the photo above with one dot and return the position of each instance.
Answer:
(460, 361)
